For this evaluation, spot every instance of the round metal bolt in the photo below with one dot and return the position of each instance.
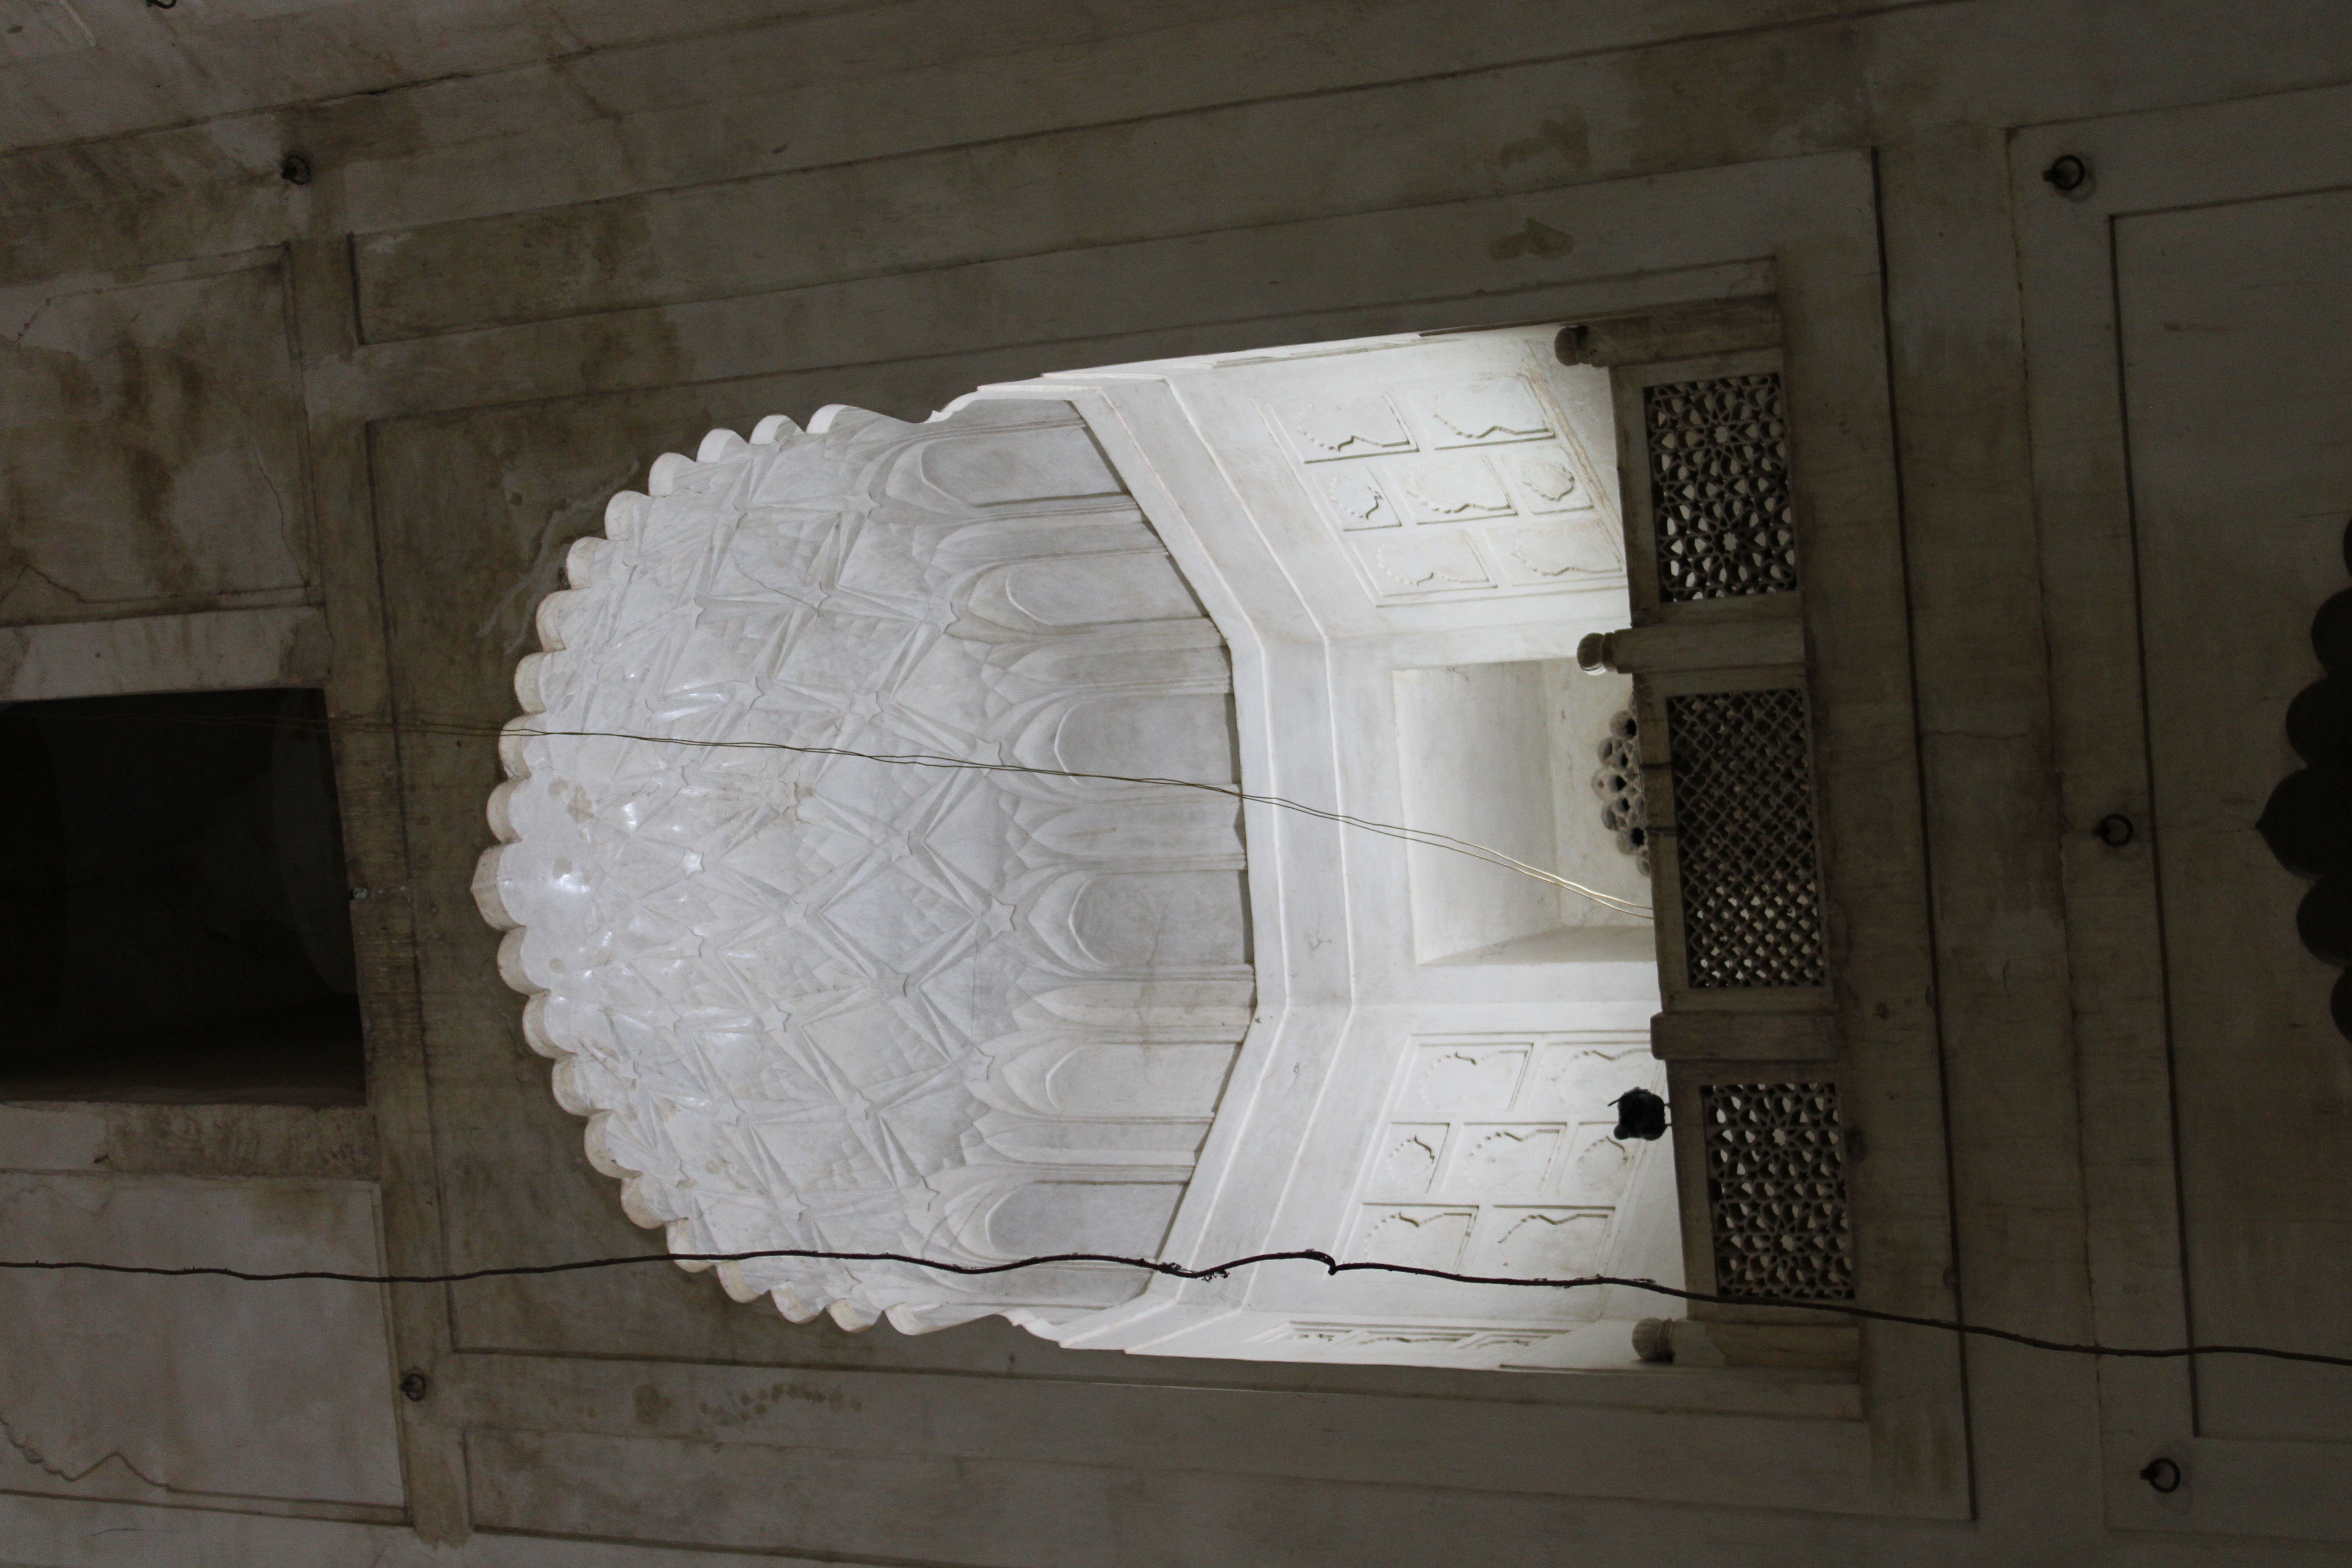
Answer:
(2164, 1475)
(295, 169)
(2067, 175)
(415, 1387)
(2115, 830)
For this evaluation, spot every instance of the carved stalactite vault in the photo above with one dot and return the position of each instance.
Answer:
(829, 1001)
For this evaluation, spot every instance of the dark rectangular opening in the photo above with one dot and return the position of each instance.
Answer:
(174, 919)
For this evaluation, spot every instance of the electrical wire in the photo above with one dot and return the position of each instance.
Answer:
(1330, 1265)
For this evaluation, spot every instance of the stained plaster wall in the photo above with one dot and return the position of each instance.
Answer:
(544, 243)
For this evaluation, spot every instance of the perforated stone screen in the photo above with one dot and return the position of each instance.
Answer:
(1744, 826)
(1719, 488)
(1776, 1191)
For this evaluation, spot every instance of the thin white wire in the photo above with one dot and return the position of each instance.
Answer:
(1425, 837)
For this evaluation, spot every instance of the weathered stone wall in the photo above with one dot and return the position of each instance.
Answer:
(541, 244)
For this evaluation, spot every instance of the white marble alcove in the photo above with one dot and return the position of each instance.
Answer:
(816, 1000)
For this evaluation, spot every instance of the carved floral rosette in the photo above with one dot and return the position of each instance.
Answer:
(808, 999)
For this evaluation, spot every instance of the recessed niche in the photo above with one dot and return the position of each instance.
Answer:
(174, 919)
(1503, 755)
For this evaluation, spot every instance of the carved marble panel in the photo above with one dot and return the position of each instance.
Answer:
(1494, 1158)
(1469, 1344)
(811, 997)
(1452, 486)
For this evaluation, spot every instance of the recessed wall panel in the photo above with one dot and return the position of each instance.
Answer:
(2236, 332)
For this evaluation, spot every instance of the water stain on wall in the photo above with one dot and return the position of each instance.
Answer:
(150, 449)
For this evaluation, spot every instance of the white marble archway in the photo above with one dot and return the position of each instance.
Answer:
(815, 1001)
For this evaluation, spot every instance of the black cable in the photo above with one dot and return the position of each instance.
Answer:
(1213, 1271)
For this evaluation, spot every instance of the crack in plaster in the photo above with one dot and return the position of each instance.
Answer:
(277, 499)
(25, 331)
(34, 1456)
(543, 576)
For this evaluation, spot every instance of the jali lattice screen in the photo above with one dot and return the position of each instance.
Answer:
(1719, 488)
(1744, 825)
(1776, 1191)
